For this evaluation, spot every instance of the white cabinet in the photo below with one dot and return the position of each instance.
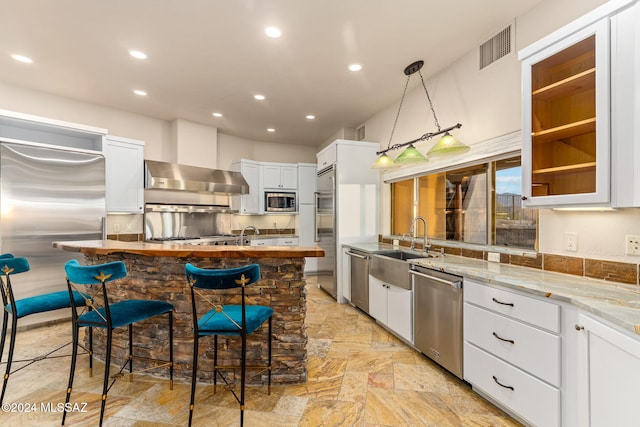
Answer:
(566, 143)
(268, 241)
(392, 306)
(124, 173)
(279, 176)
(609, 377)
(625, 107)
(287, 241)
(307, 177)
(274, 241)
(327, 157)
(512, 351)
(247, 203)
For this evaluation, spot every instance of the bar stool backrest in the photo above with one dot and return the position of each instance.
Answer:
(10, 265)
(224, 278)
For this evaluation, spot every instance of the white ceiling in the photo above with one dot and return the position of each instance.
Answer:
(212, 55)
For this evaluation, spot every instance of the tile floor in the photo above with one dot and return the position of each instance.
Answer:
(359, 375)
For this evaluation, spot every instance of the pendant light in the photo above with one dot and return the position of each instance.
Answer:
(445, 146)
(448, 145)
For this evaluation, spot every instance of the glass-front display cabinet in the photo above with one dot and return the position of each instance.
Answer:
(566, 121)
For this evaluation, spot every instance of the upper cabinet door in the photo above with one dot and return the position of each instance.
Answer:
(124, 169)
(566, 115)
(275, 176)
(247, 203)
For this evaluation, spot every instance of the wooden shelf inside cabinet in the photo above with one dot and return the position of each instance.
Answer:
(567, 87)
(571, 129)
(580, 167)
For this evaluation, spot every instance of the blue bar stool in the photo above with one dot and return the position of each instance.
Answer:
(235, 320)
(10, 266)
(110, 316)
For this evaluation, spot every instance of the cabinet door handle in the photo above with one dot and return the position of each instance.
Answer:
(503, 339)
(502, 385)
(510, 304)
(524, 197)
(579, 328)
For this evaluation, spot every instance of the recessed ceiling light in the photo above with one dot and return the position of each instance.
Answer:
(273, 32)
(138, 54)
(271, 130)
(140, 92)
(22, 58)
(355, 67)
(217, 114)
(259, 97)
(310, 116)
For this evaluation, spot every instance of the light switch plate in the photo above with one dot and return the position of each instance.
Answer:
(571, 241)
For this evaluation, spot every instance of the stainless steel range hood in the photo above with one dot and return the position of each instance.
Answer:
(171, 187)
(173, 176)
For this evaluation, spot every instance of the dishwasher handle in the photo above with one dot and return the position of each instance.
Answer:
(353, 254)
(457, 284)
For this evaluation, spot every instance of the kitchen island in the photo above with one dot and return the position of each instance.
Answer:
(156, 271)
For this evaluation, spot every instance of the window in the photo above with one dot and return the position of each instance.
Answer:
(513, 224)
(457, 206)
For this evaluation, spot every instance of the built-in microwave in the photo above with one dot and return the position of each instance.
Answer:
(280, 201)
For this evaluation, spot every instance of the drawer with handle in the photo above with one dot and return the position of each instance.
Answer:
(539, 313)
(530, 398)
(531, 349)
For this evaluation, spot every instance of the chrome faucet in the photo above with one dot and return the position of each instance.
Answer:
(250, 227)
(413, 231)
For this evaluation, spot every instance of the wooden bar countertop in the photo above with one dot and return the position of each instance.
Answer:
(106, 247)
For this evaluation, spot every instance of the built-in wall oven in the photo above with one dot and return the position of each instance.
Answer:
(437, 317)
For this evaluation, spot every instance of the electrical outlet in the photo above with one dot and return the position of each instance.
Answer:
(128, 227)
(116, 228)
(493, 257)
(632, 242)
(275, 225)
(571, 241)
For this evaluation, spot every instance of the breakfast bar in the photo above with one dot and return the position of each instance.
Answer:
(156, 271)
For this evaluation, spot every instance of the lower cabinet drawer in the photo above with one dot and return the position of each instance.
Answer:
(543, 314)
(530, 349)
(525, 395)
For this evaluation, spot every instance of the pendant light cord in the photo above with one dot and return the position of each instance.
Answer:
(429, 99)
(395, 122)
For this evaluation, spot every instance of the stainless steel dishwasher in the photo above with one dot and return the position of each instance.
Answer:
(359, 279)
(437, 317)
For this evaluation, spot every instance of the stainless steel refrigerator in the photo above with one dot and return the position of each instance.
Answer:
(325, 227)
(48, 193)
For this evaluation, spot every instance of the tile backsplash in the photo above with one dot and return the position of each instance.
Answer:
(613, 271)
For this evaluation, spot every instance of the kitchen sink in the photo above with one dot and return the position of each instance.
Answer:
(403, 255)
(392, 267)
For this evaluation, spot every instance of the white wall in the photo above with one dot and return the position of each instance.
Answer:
(232, 148)
(488, 104)
(156, 133)
(194, 144)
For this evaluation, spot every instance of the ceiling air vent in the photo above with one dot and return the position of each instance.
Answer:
(495, 48)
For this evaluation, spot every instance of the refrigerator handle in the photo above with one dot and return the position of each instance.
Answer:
(103, 220)
(316, 238)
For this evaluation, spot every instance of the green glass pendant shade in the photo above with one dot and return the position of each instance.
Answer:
(448, 145)
(384, 162)
(410, 155)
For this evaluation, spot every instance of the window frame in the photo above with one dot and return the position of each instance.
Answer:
(490, 163)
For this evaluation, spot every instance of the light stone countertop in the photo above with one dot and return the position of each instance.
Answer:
(616, 302)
